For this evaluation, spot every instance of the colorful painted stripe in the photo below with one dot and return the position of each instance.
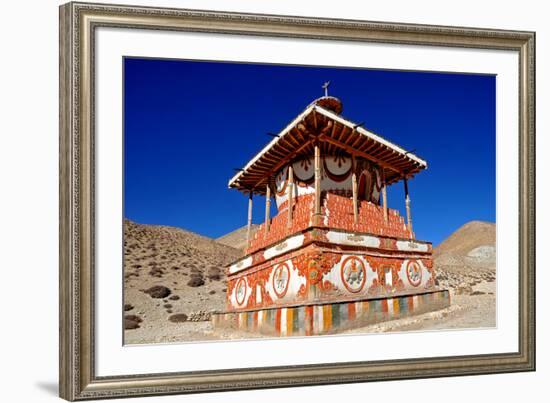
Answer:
(325, 318)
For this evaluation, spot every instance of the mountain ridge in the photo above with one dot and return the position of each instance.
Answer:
(466, 238)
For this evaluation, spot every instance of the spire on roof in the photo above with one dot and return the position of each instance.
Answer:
(325, 87)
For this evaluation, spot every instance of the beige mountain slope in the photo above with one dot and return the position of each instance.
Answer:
(472, 245)
(237, 238)
(468, 237)
(171, 277)
(467, 258)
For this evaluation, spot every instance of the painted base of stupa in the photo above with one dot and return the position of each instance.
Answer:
(312, 278)
(330, 318)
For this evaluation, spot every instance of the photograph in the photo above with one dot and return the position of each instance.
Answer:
(254, 199)
(272, 200)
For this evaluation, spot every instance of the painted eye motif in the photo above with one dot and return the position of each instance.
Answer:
(280, 181)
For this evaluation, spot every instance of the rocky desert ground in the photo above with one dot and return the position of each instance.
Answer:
(174, 278)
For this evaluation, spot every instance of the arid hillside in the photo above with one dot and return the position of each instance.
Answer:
(467, 257)
(237, 238)
(170, 276)
(467, 239)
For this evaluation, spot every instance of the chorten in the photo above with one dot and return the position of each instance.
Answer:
(335, 256)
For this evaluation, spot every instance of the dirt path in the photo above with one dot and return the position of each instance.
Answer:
(466, 311)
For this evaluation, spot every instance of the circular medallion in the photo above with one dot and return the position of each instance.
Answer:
(281, 277)
(240, 291)
(353, 274)
(414, 273)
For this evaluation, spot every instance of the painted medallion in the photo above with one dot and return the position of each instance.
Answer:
(414, 273)
(353, 274)
(281, 275)
(240, 291)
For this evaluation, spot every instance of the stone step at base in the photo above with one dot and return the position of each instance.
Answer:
(310, 320)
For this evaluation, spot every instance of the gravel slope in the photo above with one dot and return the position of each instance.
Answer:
(172, 279)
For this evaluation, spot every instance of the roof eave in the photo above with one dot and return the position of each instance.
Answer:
(233, 182)
(371, 135)
(290, 126)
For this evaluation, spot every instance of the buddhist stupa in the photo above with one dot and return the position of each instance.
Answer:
(335, 256)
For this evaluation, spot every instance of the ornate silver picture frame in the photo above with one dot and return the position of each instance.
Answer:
(78, 24)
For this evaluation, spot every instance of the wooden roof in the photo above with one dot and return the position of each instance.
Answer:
(334, 135)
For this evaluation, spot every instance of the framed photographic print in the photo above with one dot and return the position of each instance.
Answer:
(254, 201)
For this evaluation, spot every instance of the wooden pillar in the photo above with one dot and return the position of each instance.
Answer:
(317, 211)
(354, 191)
(267, 208)
(249, 221)
(290, 194)
(408, 206)
(384, 196)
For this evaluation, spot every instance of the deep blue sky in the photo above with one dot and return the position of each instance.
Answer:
(189, 123)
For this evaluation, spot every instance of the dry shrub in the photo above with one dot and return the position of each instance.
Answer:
(158, 291)
(132, 322)
(178, 318)
(195, 281)
(156, 272)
